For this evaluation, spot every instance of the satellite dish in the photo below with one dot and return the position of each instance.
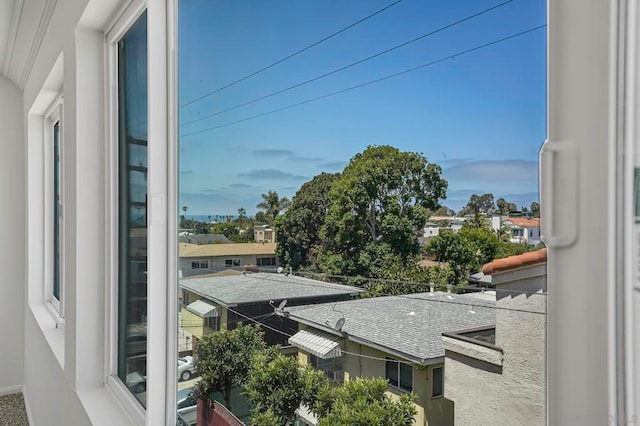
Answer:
(282, 304)
(339, 324)
(279, 270)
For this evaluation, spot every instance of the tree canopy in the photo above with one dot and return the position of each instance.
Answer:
(277, 385)
(380, 203)
(363, 402)
(272, 204)
(479, 204)
(224, 359)
(298, 230)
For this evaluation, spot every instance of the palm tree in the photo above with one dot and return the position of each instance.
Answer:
(272, 205)
(242, 214)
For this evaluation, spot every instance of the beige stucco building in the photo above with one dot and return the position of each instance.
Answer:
(497, 375)
(396, 337)
(198, 259)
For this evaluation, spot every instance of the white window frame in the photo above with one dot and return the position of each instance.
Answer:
(53, 115)
(162, 226)
(398, 365)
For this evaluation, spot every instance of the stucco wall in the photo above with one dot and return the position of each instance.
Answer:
(12, 236)
(430, 411)
(484, 393)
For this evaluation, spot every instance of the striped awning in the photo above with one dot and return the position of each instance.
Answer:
(203, 309)
(318, 343)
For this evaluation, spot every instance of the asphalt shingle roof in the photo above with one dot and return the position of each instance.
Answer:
(258, 287)
(409, 326)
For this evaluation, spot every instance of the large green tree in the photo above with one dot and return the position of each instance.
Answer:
(298, 230)
(479, 204)
(224, 359)
(363, 402)
(272, 204)
(380, 203)
(277, 385)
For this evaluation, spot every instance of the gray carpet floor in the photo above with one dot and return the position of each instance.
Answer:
(12, 412)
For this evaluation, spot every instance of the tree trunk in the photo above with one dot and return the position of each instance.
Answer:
(227, 397)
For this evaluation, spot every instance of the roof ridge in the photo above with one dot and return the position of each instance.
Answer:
(512, 262)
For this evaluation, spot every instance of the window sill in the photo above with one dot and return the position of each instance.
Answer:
(103, 408)
(397, 389)
(52, 329)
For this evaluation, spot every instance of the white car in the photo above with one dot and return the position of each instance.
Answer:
(186, 368)
(136, 382)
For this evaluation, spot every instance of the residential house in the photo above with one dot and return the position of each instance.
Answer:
(523, 230)
(497, 374)
(198, 259)
(264, 233)
(448, 222)
(213, 303)
(430, 230)
(395, 337)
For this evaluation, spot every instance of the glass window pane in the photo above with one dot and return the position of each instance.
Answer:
(391, 372)
(132, 187)
(438, 382)
(57, 211)
(406, 377)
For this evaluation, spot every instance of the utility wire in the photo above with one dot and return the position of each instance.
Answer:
(290, 335)
(291, 55)
(368, 83)
(347, 66)
(332, 285)
(479, 304)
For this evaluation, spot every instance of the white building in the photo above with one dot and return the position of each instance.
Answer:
(523, 230)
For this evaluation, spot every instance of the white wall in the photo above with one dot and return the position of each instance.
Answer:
(12, 235)
(65, 367)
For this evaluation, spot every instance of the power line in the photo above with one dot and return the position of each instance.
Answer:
(403, 282)
(368, 83)
(348, 66)
(291, 55)
(290, 335)
(479, 304)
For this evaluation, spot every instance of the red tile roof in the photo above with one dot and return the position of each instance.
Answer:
(512, 262)
(524, 222)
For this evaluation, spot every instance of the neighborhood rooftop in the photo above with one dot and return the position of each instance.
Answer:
(229, 249)
(524, 222)
(260, 287)
(409, 327)
(513, 262)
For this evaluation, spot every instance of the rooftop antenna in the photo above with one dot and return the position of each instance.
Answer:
(279, 310)
(340, 323)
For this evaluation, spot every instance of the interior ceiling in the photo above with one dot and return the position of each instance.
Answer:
(23, 24)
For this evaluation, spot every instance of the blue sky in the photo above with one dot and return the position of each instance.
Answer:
(481, 116)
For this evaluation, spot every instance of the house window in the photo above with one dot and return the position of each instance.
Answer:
(213, 323)
(399, 374)
(132, 203)
(331, 367)
(228, 263)
(437, 383)
(54, 138)
(200, 264)
(266, 261)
